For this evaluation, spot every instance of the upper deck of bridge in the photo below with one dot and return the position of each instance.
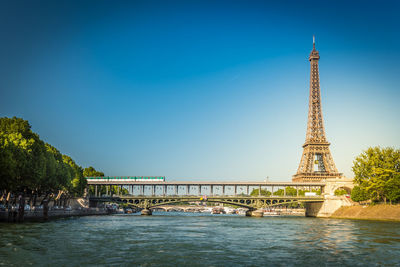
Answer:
(197, 183)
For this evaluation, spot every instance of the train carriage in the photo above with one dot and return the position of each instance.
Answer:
(127, 178)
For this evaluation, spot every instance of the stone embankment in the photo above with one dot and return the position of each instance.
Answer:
(373, 212)
(78, 207)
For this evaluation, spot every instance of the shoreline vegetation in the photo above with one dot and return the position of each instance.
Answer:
(33, 173)
(378, 212)
(377, 176)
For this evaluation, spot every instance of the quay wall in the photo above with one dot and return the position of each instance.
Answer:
(374, 212)
(78, 207)
(327, 208)
(38, 215)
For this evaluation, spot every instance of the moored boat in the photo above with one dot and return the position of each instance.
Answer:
(271, 213)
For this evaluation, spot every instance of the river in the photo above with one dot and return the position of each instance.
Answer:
(193, 239)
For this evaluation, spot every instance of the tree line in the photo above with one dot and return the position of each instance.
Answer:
(377, 175)
(31, 167)
(290, 191)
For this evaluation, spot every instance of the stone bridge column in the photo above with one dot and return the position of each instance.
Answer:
(331, 202)
(146, 211)
(255, 213)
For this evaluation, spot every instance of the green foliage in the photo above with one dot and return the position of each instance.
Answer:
(279, 192)
(78, 182)
(377, 170)
(91, 172)
(290, 191)
(263, 192)
(340, 192)
(27, 164)
(112, 190)
(359, 194)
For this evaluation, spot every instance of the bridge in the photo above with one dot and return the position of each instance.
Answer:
(150, 194)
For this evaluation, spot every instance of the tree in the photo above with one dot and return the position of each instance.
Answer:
(279, 192)
(291, 191)
(393, 188)
(21, 155)
(377, 170)
(359, 194)
(340, 192)
(78, 182)
(91, 172)
(30, 166)
(263, 192)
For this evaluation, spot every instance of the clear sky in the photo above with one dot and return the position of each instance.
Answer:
(207, 90)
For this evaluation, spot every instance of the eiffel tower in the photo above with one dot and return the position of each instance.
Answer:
(316, 164)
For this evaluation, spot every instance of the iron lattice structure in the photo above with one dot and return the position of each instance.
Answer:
(316, 163)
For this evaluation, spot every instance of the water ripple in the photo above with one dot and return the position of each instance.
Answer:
(184, 239)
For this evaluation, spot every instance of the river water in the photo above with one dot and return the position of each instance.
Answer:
(193, 239)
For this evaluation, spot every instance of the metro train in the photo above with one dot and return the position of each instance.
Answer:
(127, 178)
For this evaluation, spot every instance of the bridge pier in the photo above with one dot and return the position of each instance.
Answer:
(146, 212)
(255, 213)
(326, 208)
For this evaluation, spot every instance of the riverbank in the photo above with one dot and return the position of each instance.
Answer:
(374, 212)
(38, 215)
(77, 207)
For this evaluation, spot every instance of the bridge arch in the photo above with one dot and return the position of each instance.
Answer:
(344, 187)
(250, 204)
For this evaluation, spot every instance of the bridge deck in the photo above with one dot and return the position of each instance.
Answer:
(205, 183)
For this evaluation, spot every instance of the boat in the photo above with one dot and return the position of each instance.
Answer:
(128, 210)
(271, 213)
(208, 210)
(218, 210)
(241, 211)
(229, 210)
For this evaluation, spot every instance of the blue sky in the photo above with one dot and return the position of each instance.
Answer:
(207, 90)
